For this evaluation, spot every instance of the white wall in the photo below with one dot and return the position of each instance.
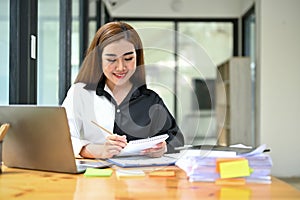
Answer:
(246, 4)
(177, 8)
(279, 82)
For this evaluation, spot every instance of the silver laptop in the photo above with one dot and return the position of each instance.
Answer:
(39, 138)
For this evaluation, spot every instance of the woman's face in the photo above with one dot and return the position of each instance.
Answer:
(118, 62)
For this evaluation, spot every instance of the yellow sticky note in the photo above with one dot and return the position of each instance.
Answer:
(166, 173)
(93, 172)
(233, 169)
(235, 193)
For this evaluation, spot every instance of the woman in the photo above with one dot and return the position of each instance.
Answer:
(110, 90)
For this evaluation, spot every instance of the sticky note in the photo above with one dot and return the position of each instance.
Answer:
(93, 172)
(235, 193)
(129, 173)
(165, 173)
(235, 168)
(230, 181)
(221, 160)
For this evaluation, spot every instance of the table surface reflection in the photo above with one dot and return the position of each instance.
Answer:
(31, 184)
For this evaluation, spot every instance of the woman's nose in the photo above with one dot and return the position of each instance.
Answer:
(120, 65)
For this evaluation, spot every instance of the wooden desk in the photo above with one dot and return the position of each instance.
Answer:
(29, 184)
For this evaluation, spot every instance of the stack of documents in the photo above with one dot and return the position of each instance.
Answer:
(227, 167)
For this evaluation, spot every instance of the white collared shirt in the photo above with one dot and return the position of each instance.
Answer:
(82, 107)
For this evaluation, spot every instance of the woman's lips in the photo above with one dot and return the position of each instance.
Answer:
(119, 75)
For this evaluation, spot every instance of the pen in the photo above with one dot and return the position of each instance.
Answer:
(104, 129)
(107, 131)
(3, 130)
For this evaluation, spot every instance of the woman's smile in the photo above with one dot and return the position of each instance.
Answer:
(119, 75)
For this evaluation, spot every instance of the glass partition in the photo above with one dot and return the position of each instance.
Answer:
(4, 51)
(48, 52)
(179, 63)
(159, 43)
(202, 46)
(75, 40)
(48, 49)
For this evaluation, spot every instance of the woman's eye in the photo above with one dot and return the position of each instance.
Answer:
(111, 60)
(128, 59)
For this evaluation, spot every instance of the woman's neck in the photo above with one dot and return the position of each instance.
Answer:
(120, 91)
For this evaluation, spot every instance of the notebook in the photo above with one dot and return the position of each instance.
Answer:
(39, 139)
(134, 147)
(144, 161)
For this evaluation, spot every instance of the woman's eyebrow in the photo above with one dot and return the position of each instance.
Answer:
(128, 53)
(125, 54)
(110, 54)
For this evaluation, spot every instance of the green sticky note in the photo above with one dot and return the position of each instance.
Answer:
(93, 172)
(233, 169)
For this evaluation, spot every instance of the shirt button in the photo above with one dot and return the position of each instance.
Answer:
(118, 110)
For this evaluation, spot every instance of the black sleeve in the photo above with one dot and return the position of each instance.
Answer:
(164, 119)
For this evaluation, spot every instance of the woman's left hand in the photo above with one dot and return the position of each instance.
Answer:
(157, 151)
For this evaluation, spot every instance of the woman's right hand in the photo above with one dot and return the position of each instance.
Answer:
(112, 146)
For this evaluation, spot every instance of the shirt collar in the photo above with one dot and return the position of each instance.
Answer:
(103, 90)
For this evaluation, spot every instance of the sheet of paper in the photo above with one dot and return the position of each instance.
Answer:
(136, 146)
(260, 149)
(208, 153)
(123, 173)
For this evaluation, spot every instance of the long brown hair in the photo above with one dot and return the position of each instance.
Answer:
(91, 69)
